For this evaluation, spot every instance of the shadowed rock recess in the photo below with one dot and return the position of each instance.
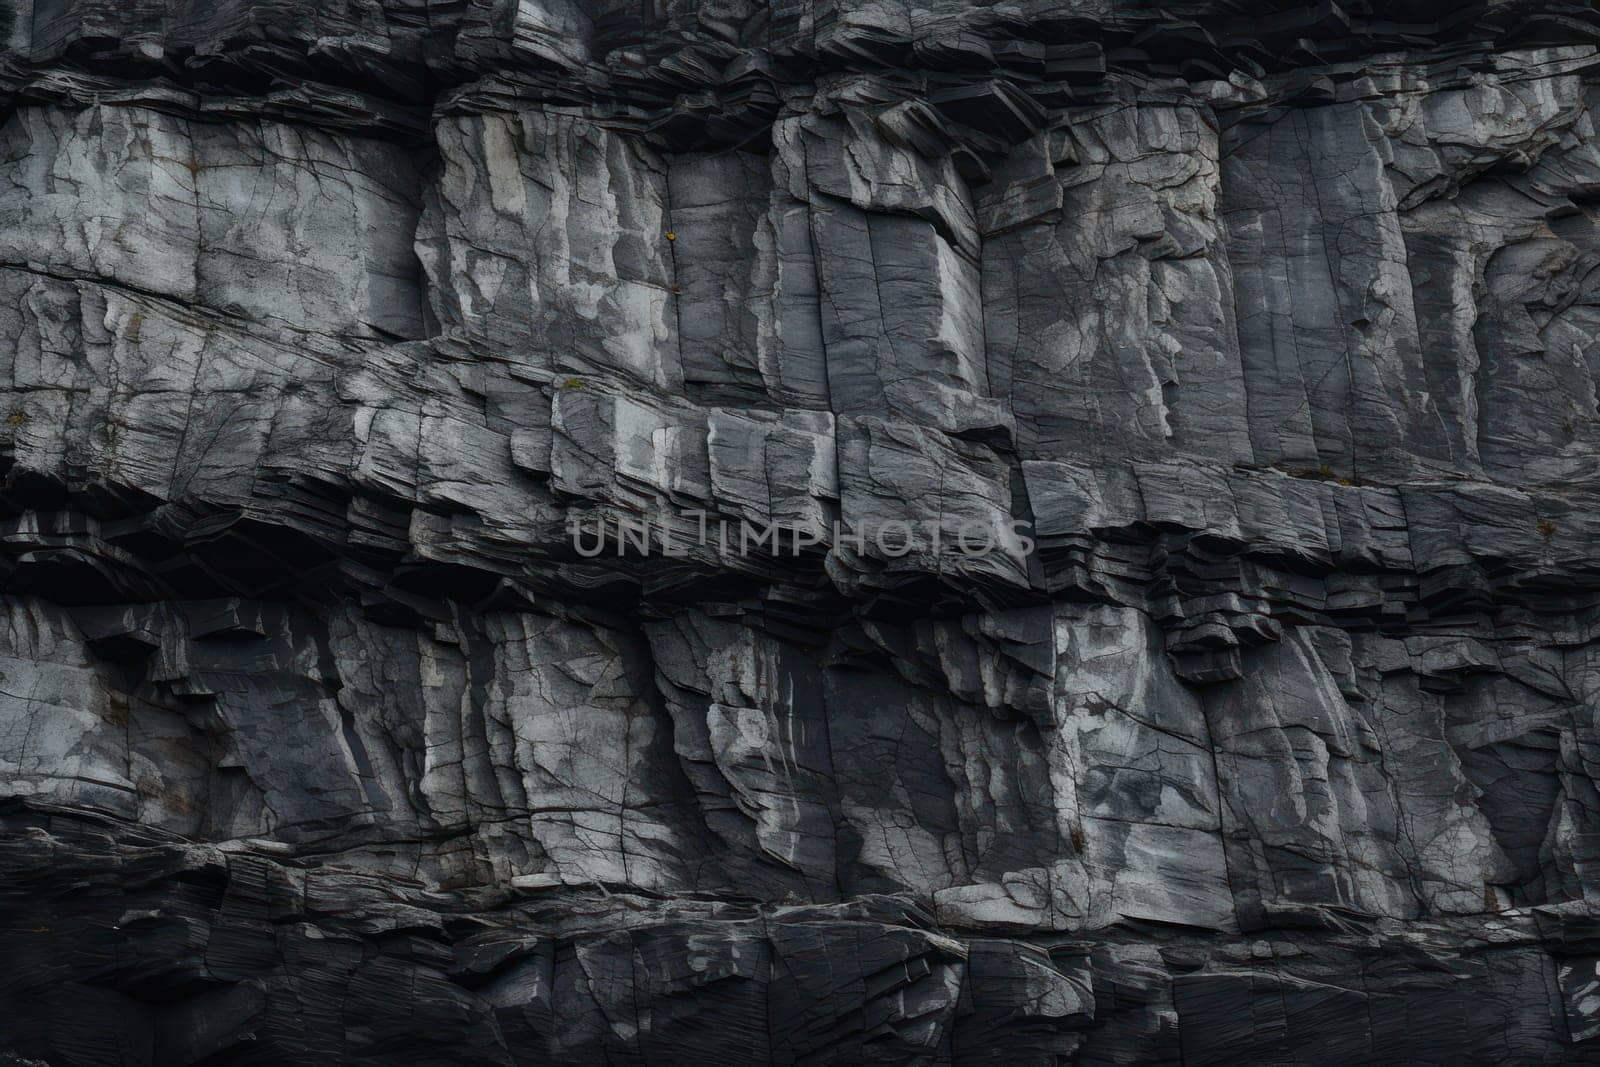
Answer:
(1278, 326)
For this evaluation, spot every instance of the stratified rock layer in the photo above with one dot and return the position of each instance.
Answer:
(1258, 344)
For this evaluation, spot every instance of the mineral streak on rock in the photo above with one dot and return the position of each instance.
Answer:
(1259, 341)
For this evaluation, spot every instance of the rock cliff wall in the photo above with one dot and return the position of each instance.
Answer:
(1257, 345)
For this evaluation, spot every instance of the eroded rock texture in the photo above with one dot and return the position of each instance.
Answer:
(1272, 737)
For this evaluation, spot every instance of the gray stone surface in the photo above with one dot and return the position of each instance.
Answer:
(1258, 344)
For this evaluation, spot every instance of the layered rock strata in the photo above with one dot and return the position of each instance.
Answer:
(1257, 345)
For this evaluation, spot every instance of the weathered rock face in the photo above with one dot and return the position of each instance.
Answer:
(1255, 346)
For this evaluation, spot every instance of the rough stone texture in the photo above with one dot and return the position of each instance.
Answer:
(1261, 340)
